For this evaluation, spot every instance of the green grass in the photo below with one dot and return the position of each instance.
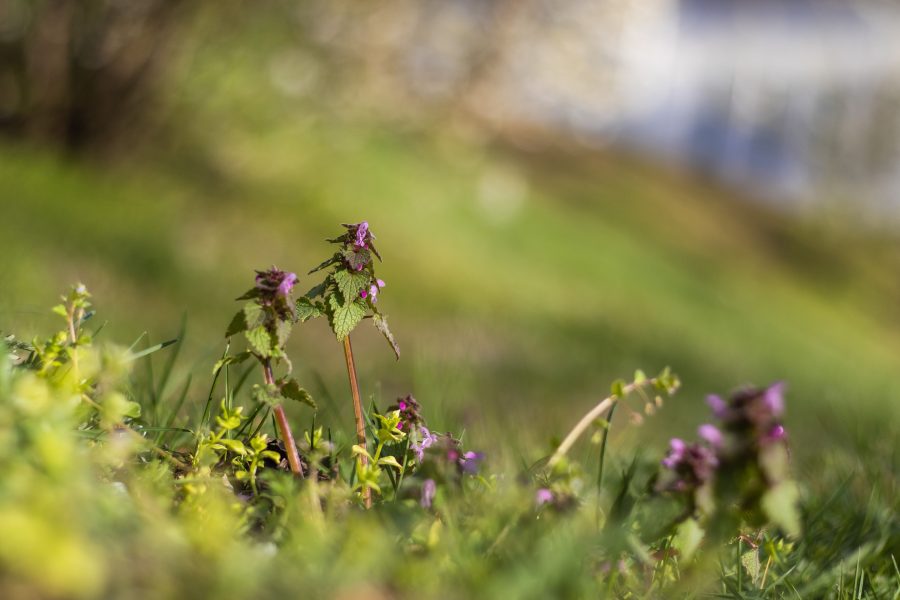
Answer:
(510, 327)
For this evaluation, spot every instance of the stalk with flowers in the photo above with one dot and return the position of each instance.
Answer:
(349, 294)
(266, 320)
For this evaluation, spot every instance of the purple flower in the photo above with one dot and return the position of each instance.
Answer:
(428, 439)
(401, 405)
(693, 465)
(429, 489)
(711, 434)
(543, 496)
(470, 462)
(362, 232)
(380, 283)
(373, 291)
(776, 434)
(773, 398)
(287, 284)
(364, 294)
(676, 453)
(718, 406)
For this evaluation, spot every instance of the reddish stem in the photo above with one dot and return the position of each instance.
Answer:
(283, 426)
(357, 412)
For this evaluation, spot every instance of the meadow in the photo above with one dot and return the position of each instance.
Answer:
(520, 284)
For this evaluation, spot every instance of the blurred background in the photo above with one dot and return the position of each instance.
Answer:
(563, 192)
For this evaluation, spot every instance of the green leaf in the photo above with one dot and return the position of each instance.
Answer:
(292, 390)
(351, 283)
(61, 311)
(618, 388)
(356, 450)
(249, 294)
(260, 340)
(750, 560)
(381, 325)
(283, 331)
(267, 395)
(237, 325)
(151, 350)
(357, 258)
(391, 462)
(639, 377)
(307, 309)
(253, 314)
(344, 318)
(236, 446)
(329, 262)
(687, 538)
(780, 506)
(318, 290)
(230, 360)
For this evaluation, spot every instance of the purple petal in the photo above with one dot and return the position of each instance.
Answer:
(776, 434)
(711, 434)
(773, 398)
(718, 406)
(543, 496)
(429, 489)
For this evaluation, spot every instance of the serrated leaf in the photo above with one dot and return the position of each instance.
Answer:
(350, 284)
(237, 325)
(260, 340)
(344, 318)
(357, 258)
(292, 390)
(780, 506)
(381, 325)
(687, 538)
(282, 332)
(750, 560)
(307, 309)
(266, 395)
(253, 314)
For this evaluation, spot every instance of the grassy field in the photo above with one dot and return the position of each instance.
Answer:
(520, 283)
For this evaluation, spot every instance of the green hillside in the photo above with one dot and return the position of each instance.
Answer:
(589, 268)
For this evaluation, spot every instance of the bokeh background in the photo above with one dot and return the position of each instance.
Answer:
(563, 192)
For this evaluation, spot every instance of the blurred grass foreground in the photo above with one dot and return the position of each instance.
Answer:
(537, 246)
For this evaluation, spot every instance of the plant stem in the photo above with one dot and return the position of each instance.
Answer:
(283, 426)
(357, 412)
(591, 416)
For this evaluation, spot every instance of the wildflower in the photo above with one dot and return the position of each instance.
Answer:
(362, 232)
(711, 434)
(676, 453)
(275, 282)
(717, 405)
(429, 489)
(543, 496)
(428, 439)
(470, 462)
(409, 411)
(274, 288)
(692, 466)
